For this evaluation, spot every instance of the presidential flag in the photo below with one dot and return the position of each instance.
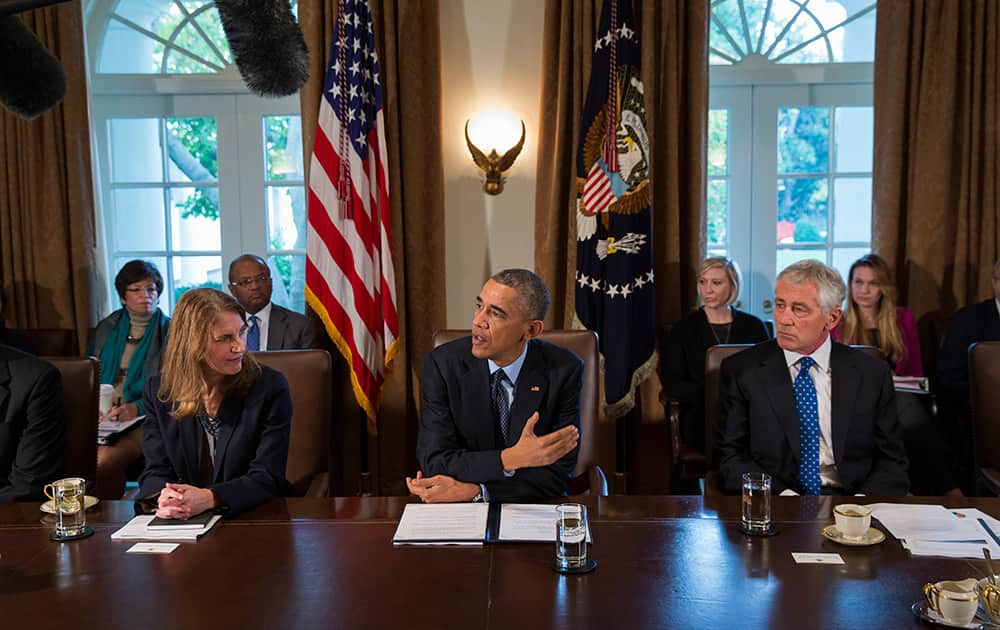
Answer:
(614, 252)
(350, 281)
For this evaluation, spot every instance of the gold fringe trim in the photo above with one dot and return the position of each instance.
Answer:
(621, 407)
(345, 351)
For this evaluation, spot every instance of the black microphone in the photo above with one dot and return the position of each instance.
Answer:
(267, 45)
(32, 80)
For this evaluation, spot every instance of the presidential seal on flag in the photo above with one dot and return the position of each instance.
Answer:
(614, 276)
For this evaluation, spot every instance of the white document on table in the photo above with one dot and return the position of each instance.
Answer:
(525, 522)
(950, 549)
(137, 529)
(444, 524)
(926, 522)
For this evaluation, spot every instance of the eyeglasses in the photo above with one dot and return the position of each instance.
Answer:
(150, 290)
(245, 282)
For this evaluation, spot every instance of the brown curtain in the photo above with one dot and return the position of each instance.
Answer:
(937, 133)
(409, 47)
(47, 243)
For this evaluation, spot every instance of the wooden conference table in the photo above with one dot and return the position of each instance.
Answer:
(308, 563)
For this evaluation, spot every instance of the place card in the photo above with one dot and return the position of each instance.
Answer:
(817, 558)
(152, 548)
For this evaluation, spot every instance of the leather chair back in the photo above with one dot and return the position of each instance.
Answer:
(81, 381)
(714, 357)
(587, 476)
(309, 381)
(984, 382)
(51, 342)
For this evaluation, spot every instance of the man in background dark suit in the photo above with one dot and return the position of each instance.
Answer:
(271, 327)
(32, 429)
(972, 324)
(500, 411)
(832, 429)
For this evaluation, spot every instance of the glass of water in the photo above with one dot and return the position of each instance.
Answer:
(571, 536)
(756, 513)
(68, 503)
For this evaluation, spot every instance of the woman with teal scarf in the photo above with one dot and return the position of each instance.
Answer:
(129, 343)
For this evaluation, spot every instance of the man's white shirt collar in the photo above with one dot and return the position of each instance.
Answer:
(512, 370)
(821, 356)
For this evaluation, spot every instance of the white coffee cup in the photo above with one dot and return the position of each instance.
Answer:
(955, 601)
(107, 394)
(852, 520)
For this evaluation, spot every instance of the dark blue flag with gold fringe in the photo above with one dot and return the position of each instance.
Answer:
(614, 251)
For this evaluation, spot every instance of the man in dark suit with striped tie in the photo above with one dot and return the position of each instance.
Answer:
(816, 415)
(269, 326)
(500, 411)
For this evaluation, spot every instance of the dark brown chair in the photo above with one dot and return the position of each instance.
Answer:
(309, 380)
(588, 478)
(984, 382)
(51, 342)
(688, 463)
(81, 381)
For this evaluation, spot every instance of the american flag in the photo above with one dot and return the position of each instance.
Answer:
(350, 281)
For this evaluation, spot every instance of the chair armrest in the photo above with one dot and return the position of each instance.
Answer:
(673, 412)
(991, 476)
(319, 486)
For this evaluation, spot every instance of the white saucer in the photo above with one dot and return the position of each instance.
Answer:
(88, 502)
(872, 537)
(921, 610)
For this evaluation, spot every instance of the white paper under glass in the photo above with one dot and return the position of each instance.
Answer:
(571, 536)
(756, 512)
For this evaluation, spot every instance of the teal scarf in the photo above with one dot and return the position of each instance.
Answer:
(111, 357)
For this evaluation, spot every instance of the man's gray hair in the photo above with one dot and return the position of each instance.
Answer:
(533, 295)
(829, 285)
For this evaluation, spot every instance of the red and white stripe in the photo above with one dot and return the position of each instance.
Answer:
(350, 280)
(597, 194)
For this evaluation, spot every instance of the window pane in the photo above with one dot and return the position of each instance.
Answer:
(803, 139)
(150, 14)
(286, 217)
(189, 38)
(138, 223)
(127, 51)
(211, 24)
(135, 150)
(194, 219)
(857, 42)
(718, 141)
(853, 139)
(786, 257)
(802, 210)
(193, 272)
(844, 257)
(728, 14)
(852, 202)
(192, 145)
(283, 145)
(718, 212)
(289, 273)
(179, 63)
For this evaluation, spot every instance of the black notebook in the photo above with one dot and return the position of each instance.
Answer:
(199, 521)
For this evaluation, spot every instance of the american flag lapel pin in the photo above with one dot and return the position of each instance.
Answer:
(535, 388)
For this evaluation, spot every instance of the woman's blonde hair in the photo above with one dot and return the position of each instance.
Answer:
(181, 380)
(732, 272)
(890, 338)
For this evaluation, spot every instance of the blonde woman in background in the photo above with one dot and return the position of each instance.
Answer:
(717, 321)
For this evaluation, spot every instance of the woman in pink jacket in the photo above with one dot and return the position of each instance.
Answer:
(873, 319)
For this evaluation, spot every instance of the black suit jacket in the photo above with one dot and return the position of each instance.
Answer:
(759, 425)
(251, 448)
(288, 330)
(459, 433)
(979, 322)
(684, 365)
(32, 425)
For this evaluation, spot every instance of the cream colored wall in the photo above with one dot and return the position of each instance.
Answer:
(491, 58)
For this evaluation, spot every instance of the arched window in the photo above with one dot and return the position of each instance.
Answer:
(790, 135)
(192, 169)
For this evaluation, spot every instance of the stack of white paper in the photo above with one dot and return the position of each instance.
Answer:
(933, 530)
(107, 428)
(520, 522)
(442, 524)
(137, 529)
